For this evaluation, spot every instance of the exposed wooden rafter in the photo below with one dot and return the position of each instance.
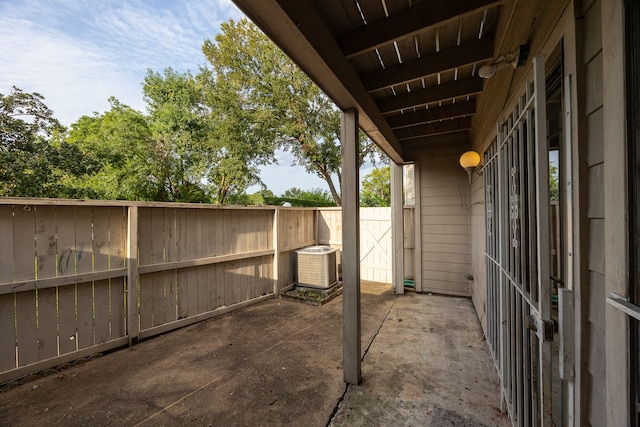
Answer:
(445, 91)
(459, 109)
(408, 22)
(302, 34)
(449, 59)
(435, 128)
(366, 58)
(439, 141)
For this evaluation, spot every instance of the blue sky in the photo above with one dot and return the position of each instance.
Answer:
(78, 53)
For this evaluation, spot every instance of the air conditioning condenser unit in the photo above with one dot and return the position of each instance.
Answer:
(317, 267)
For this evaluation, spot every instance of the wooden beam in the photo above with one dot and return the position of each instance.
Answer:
(397, 229)
(439, 141)
(52, 282)
(434, 128)
(428, 65)
(417, 228)
(449, 111)
(443, 92)
(196, 262)
(350, 249)
(409, 22)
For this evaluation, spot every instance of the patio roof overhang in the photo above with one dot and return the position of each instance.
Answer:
(410, 68)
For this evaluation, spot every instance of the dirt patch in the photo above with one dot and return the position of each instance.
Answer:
(278, 362)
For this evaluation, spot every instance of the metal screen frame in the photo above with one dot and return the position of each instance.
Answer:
(516, 255)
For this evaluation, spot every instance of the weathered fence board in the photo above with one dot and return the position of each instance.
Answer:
(102, 322)
(24, 243)
(84, 297)
(65, 244)
(6, 244)
(45, 241)
(118, 308)
(27, 334)
(67, 318)
(84, 244)
(46, 268)
(47, 324)
(191, 240)
(156, 280)
(8, 335)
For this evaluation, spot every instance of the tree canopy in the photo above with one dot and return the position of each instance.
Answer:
(35, 160)
(195, 144)
(376, 188)
(290, 110)
(202, 137)
(554, 190)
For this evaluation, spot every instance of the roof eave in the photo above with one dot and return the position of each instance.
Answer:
(298, 30)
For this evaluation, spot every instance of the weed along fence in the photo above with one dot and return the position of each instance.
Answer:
(82, 277)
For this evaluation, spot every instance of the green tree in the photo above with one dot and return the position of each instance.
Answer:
(121, 141)
(289, 110)
(554, 190)
(315, 195)
(194, 145)
(35, 161)
(259, 198)
(179, 125)
(376, 188)
(236, 143)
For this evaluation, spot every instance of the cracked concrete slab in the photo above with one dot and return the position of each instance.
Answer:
(428, 365)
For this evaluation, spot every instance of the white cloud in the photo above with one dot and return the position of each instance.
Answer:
(75, 77)
(79, 53)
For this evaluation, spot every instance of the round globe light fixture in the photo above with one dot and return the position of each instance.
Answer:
(469, 160)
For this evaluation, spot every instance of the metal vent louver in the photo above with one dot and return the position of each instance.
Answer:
(317, 267)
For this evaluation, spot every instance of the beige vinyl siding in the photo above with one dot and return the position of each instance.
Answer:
(593, 345)
(445, 221)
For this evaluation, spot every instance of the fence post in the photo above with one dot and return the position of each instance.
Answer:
(316, 219)
(276, 251)
(132, 275)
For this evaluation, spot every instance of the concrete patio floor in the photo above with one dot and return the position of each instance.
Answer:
(279, 363)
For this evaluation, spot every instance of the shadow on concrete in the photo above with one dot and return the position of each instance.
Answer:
(275, 363)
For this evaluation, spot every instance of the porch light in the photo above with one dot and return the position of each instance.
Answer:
(469, 160)
(516, 58)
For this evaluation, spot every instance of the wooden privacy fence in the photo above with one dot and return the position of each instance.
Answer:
(79, 278)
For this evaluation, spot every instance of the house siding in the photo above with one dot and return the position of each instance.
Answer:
(593, 366)
(445, 221)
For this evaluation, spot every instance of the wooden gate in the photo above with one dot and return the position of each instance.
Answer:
(375, 240)
(375, 245)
